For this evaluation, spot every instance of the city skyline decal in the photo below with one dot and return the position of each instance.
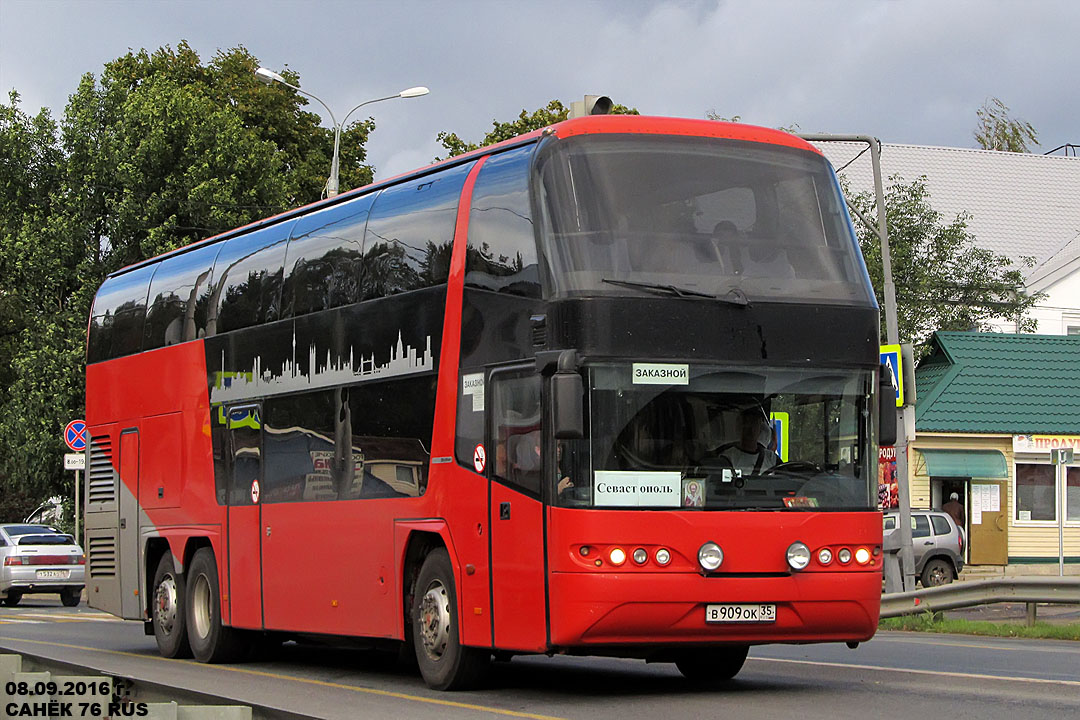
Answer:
(259, 382)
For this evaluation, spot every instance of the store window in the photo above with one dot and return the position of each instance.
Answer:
(1035, 492)
(1072, 494)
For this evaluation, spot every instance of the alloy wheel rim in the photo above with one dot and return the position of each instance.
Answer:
(165, 604)
(435, 620)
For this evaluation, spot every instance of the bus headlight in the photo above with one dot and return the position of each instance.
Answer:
(640, 556)
(862, 556)
(798, 556)
(663, 556)
(617, 556)
(824, 556)
(710, 556)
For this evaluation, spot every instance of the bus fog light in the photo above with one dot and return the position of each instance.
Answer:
(844, 555)
(862, 556)
(824, 556)
(710, 556)
(640, 556)
(798, 556)
(663, 556)
(617, 556)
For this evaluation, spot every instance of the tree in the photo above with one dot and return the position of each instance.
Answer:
(550, 114)
(162, 150)
(998, 131)
(943, 280)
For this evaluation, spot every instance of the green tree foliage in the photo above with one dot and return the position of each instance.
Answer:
(159, 151)
(550, 114)
(997, 130)
(943, 280)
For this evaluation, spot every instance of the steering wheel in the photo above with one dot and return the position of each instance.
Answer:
(798, 466)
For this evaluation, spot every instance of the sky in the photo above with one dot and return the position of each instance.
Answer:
(906, 71)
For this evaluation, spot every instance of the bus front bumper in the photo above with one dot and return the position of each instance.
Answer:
(657, 609)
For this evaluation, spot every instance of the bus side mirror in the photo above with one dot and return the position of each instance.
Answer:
(886, 408)
(567, 406)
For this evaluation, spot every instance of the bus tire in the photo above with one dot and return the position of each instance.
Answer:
(167, 610)
(445, 663)
(211, 642)
(710, 667)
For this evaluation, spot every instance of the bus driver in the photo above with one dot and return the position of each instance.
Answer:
(750, 454)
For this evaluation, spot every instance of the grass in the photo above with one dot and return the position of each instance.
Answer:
(929, 622)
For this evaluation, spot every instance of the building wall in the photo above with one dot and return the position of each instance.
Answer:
(1027, 541)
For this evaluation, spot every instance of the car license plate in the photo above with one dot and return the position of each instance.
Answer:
(53, 574)
(730, 613)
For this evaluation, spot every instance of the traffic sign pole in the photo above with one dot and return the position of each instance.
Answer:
(75, 434)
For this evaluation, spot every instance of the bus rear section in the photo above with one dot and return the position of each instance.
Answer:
(609, 388)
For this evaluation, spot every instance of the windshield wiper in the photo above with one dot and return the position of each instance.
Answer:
(733, 296)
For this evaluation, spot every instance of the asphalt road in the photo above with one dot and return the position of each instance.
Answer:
(898, 674)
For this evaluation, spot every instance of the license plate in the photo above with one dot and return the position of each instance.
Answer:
(731, 613)
(53, 574)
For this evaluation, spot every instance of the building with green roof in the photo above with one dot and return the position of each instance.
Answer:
(990, 409)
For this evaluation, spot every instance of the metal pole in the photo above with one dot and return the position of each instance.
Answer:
(77, 538)
(1062, 509)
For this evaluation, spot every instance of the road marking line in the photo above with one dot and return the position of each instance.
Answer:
(936, 673)
(320, 683)
(981, 646)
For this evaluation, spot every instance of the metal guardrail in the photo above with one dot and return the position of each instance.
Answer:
(982, 592)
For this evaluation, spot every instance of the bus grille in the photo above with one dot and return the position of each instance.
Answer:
(102, 557)
(101, 480)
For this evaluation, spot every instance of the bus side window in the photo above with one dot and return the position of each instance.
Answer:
(179, 295)
(516, 431)
(324, 262)
(245, 443)
(247, 280)
(410, 233)
(470, 417)
(116, 322)
(501, 254)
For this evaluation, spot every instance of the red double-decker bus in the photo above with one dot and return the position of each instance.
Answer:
(609, 388)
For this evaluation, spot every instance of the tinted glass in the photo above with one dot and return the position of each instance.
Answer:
(244, 425)
(410, 233)
(470, 417)
(1072, 493)
(324, 260)
(116, 322)
(941, 525)
(704, 214)
(1035, 490)
(390, 425)
(501, 254)
(516, 431)
(247, 280)
(920, 526)
(179, 296)
(299, 444)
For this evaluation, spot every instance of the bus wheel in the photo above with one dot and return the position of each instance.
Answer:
(712, 666)
(167, 610)
(444, 662)
(211, 642)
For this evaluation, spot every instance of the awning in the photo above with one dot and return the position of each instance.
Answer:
(965, 463)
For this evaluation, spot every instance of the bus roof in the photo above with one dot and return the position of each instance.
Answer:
(589, 125)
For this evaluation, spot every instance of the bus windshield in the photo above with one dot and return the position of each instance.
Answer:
(706, 216)
(665, 435)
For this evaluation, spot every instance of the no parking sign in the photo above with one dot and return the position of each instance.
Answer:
(75, 435)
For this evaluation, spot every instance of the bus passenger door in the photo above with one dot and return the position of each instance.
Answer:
(519, 593)
(244, 582)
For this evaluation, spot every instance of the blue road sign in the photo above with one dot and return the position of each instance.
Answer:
(890, 355)
(75, 435)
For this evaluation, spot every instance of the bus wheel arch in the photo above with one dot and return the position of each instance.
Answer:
(445, 663)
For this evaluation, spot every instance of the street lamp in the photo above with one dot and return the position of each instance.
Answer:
(268, 77)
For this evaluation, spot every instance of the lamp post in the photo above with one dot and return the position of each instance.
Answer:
(268, 77)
